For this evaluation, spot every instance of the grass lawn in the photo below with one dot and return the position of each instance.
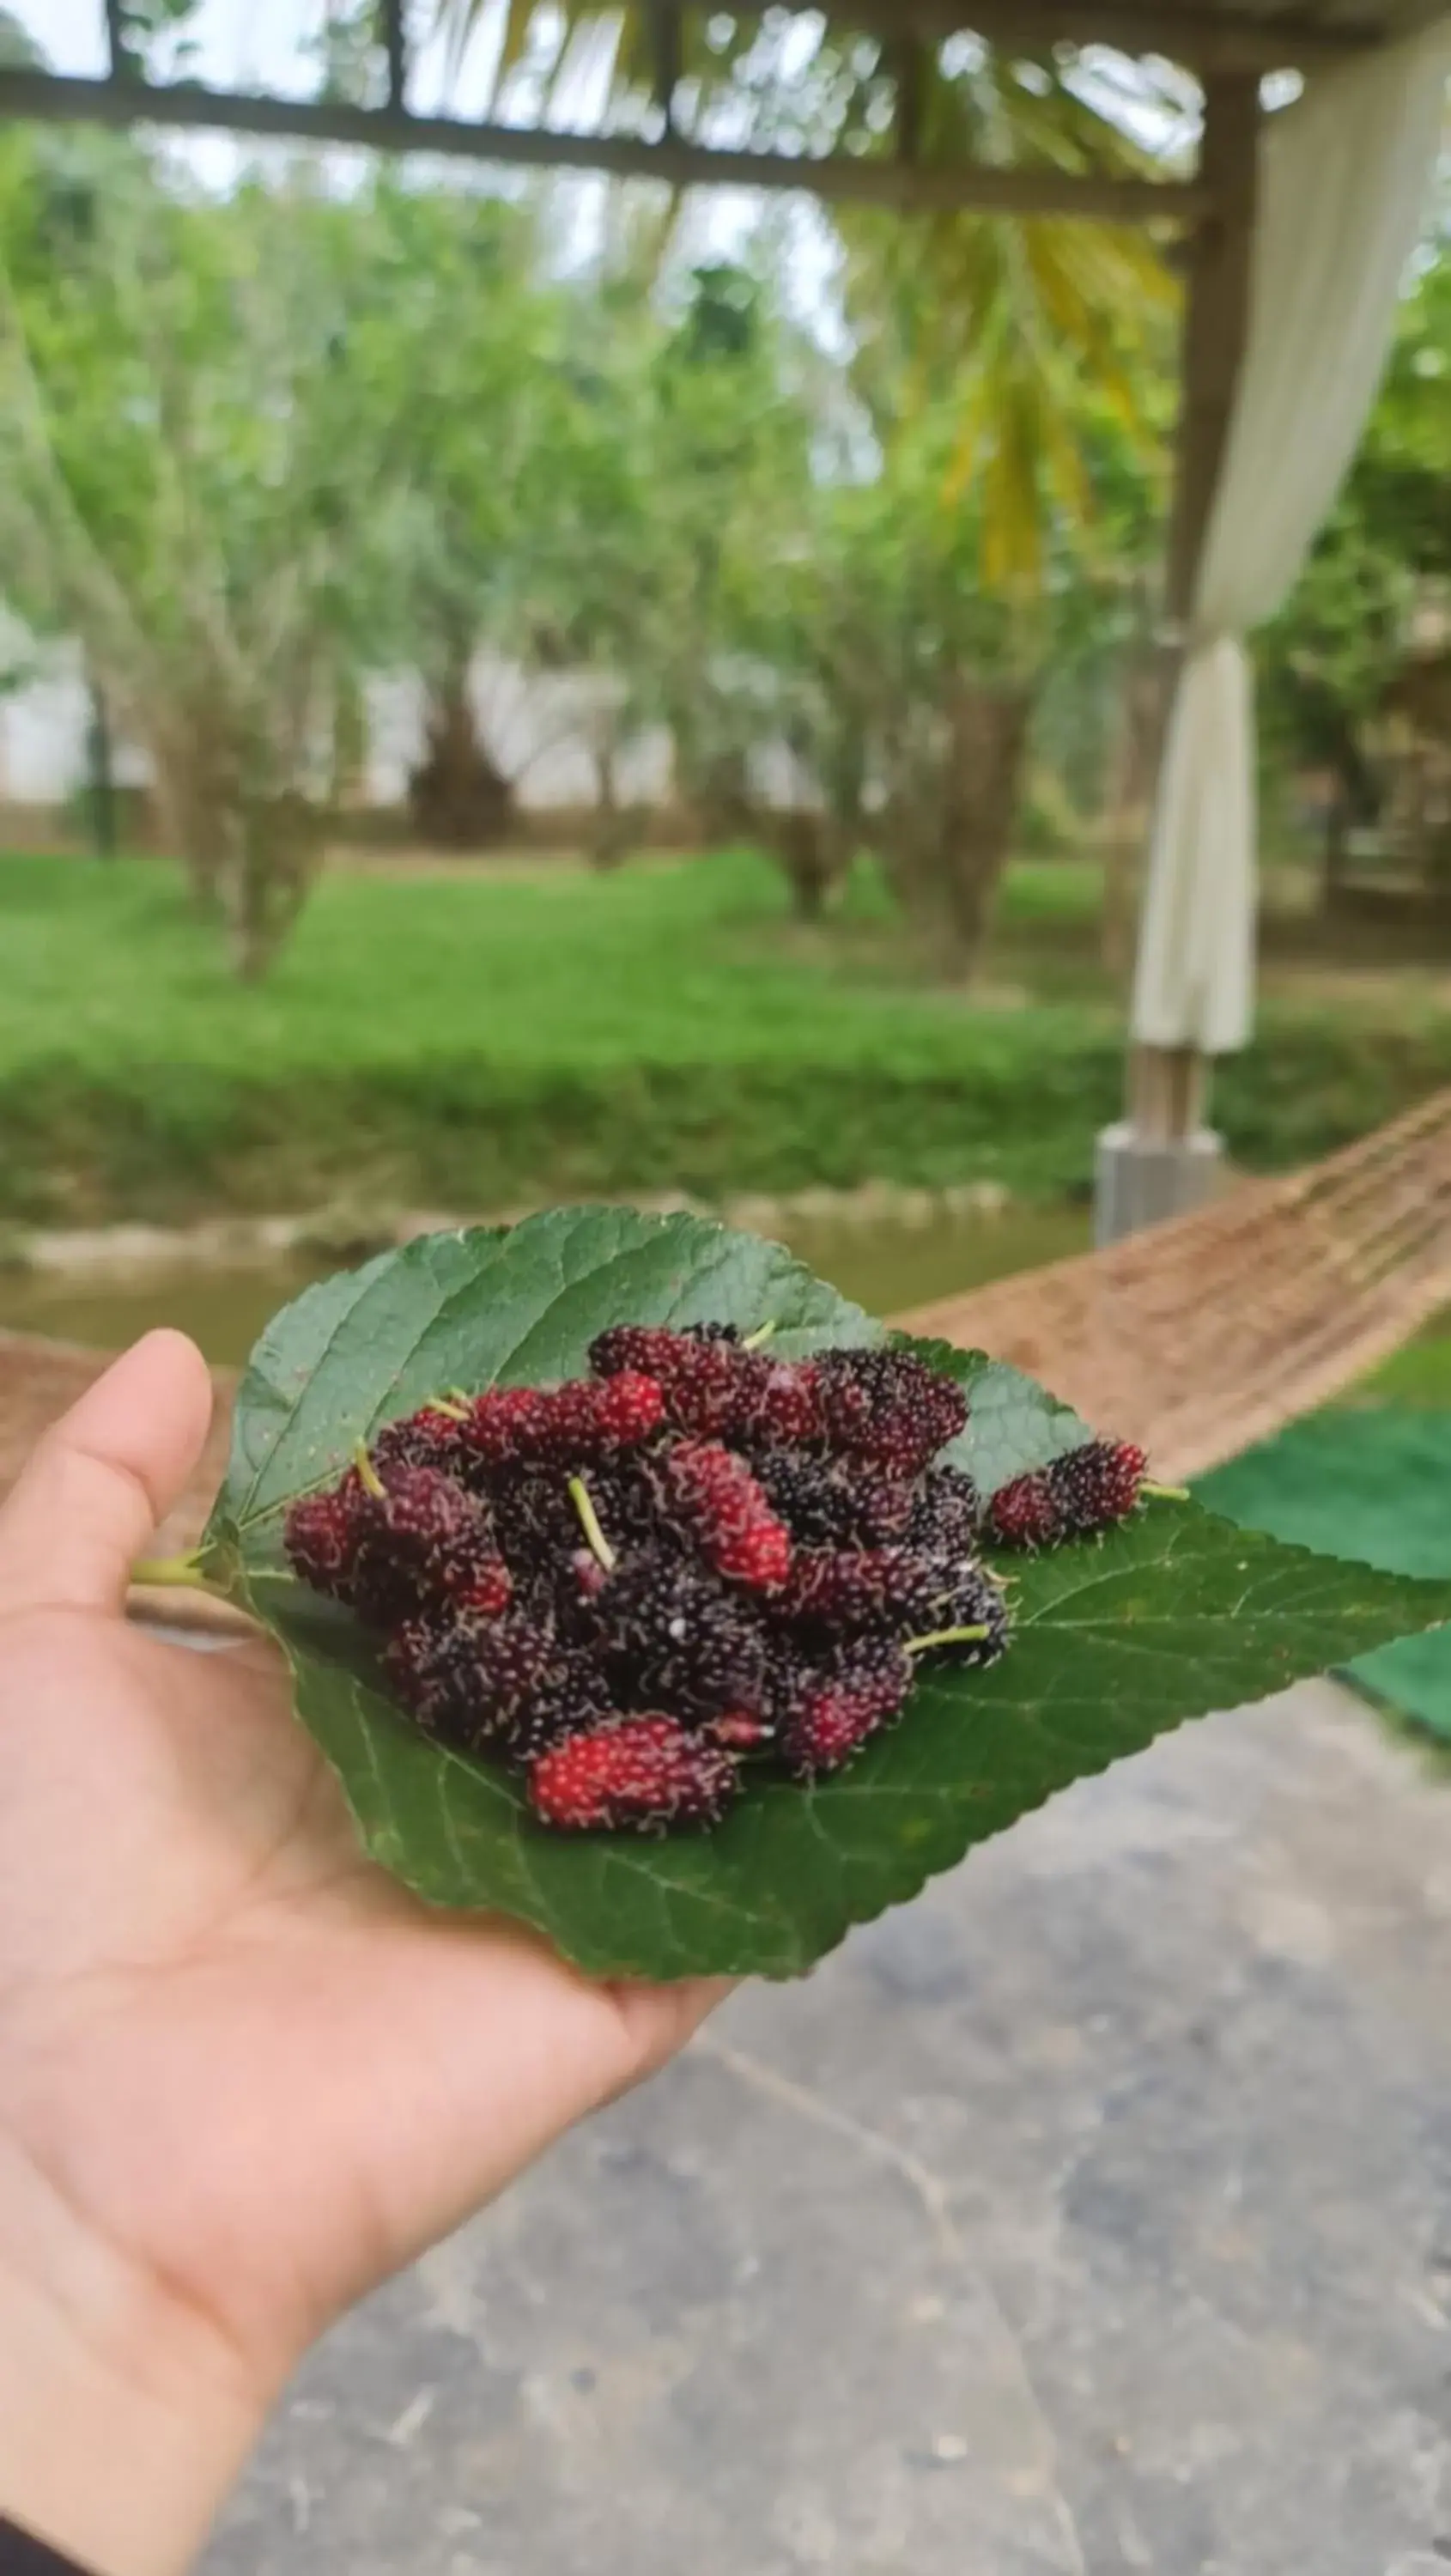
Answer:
(467, 1037)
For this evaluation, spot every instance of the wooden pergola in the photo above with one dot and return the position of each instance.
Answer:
(1228, 45)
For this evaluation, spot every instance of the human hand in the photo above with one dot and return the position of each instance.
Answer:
(243, 2074)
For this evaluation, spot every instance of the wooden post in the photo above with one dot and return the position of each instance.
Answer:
(1168, 1086)
(395, 51)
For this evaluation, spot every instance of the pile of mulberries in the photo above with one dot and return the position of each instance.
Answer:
(699, 1562)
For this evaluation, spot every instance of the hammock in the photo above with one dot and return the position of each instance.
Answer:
(1196, 1338)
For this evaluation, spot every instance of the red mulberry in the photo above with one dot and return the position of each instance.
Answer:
(1026, 1513)
(633, 1775)
(322, 1543)
(828, 1715)
(732, 1522)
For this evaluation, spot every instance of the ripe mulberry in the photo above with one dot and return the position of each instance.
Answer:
(1097, 1485)
(888, 1406)
(969, 1600)
(322, 1543)
(674, 1638)
(829, 1714)
(844, 1591)
(732, 1522)
(634, 1775)
(414, 1534)
(427, 1438)
(1026, 1513)
(945, 1511)
(698, 1376)
(506, 1688)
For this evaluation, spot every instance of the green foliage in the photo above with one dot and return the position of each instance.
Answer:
(1114, 1642)
(1325, 662)
(179, 455)
(477, 1042)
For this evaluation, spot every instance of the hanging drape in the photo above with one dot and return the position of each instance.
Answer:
(1344, 175)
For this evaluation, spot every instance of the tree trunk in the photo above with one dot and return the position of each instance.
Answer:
(987, 736)
(460, 800)
(100, 778)
(804, 845)
(272, 848)
(611, 829)
(1334, 849)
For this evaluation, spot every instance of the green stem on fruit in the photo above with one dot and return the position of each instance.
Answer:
(172, 1573)
(761, 1334)
(453, 1406)
(459, 1395)
(600, 1547)
(368, 1476)
(948, 1637)
(1167, 1493)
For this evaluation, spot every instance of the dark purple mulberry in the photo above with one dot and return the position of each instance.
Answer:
(674, 1638)
(1097, 1485)
(506, 1687)
(826, 1502)
(418, 1535)
(946, 1509)
(427, 1438)
(888, 1406)
(970, 1599)
(848, 1591)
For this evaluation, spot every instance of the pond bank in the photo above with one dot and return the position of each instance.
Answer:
(886, 1246)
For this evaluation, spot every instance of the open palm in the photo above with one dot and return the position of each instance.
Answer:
(244, 2068)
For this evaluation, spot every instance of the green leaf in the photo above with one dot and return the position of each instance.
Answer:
(1115, 1640)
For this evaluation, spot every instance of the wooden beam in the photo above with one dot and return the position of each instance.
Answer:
(1168, 1088)
(836, 176)
(395, 47)
(908, 64)
(1205, 39)
(117, 57)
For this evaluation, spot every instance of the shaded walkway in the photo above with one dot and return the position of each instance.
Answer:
(1094, 2214)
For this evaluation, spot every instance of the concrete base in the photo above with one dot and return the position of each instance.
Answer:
(1136, 1183)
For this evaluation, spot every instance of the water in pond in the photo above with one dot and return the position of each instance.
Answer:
(884, 1263)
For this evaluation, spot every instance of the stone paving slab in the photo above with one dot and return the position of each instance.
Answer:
(1092, 2215)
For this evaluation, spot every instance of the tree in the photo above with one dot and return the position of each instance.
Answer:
(975, 337)
(179, 456)
(1343, 643)
(458, 362)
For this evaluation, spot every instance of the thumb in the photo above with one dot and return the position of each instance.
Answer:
(87, 1502)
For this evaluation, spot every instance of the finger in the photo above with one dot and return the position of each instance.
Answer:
(87, 1502)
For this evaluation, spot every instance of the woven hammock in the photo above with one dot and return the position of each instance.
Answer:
(1195, 1338)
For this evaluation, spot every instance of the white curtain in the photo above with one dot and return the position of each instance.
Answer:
(1344, 175)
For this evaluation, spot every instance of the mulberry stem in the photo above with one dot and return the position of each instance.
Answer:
(172, 1573)
(452, 1404)
(1167, 1493)
(946, 1637)
(600, 1547)
(761, 1334)
(368, 1476)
